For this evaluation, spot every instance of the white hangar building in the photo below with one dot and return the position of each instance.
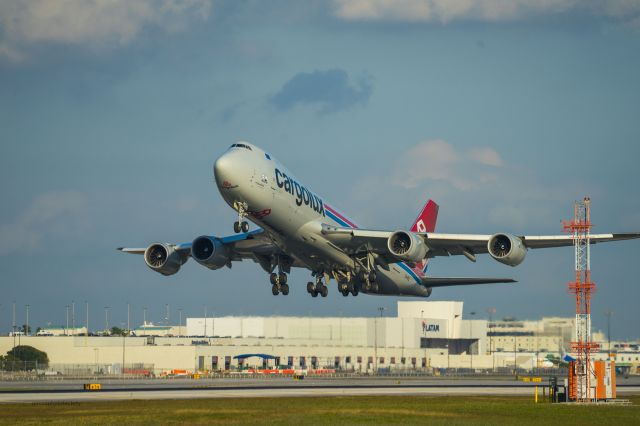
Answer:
(419, 325)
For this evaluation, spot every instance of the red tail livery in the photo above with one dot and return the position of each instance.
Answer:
(426, 222)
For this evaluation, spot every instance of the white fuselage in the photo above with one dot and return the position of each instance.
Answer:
(293, 215)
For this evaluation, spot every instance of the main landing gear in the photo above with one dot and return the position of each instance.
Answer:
(368, 281)
(349, 287)
(317, 288)
(279, 283)
(241, 225)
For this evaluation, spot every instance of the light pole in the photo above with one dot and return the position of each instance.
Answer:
(381, 309)
(87, 319)
(491, 311)
(26, 330)
(73, 314)
(425, 346)
(448, 364)
(515, 354)
(205, 320)
(14, 324)
(180, 323)
(144, 316)
(66, 330)
(124, 339)
(608, 314)
(128, 318)
(166, 316)
(472, 313)
(106, 318)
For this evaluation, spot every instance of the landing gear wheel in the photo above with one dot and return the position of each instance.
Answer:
(314, 293)
(345, 293)
(310, 287)
(284, 289)
(237, 227)
(275, 290)
(375, 287)
(354, 291)
(372, 275)
(283, 278)
(324, 291)
(244, 226)
(273, 278)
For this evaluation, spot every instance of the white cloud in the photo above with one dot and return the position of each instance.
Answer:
(477, 190)
(91, 22)
(10, 53)
(480, 10)
(62, 214)
(486, 156)
(437, 160)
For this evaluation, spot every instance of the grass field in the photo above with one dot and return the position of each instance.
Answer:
(329, 410)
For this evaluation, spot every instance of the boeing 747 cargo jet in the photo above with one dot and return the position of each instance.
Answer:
(298, 228)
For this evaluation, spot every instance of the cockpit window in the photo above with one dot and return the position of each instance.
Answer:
(240, 145)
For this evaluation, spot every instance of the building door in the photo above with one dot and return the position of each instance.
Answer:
(214, 363)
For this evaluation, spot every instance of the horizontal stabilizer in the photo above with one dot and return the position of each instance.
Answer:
(445, 282)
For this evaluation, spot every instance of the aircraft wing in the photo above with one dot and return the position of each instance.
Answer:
(253, 245)
(440, 244)
(455, 244)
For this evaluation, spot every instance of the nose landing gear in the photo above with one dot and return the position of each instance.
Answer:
(241, 225)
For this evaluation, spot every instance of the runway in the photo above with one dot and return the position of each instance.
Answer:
(114, 390)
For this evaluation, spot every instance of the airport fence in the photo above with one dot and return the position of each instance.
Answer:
(21, 370)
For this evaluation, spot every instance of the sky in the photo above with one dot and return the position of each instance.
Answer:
(504, 112)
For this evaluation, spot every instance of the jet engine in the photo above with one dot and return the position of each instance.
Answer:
(407, 246)
(507, 249)
(163, 258)
(210, 252)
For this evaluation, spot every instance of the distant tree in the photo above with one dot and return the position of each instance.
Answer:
(7, 362)
(38, 330)
(26, 329)
(117, 331)
(31, 355)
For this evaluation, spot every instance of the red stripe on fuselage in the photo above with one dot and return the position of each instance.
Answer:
(347, 221)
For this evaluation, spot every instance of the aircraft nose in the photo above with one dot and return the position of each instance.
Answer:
(227, 171)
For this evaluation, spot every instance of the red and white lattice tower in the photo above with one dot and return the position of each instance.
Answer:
(582, 388)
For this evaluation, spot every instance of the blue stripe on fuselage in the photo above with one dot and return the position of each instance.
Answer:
(336, 218)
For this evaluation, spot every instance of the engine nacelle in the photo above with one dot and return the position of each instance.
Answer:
(163, 258)
(507, 249)
(210, 252)
(407, 246)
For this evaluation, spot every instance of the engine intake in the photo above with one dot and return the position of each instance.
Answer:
(407, 246)
(210, 252)
(507, 249)
(163, 259)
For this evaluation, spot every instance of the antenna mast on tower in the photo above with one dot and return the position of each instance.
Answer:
(581, 388)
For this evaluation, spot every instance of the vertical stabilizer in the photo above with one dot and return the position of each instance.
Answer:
(426, 222)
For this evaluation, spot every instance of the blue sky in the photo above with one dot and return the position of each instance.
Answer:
(111, 115)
